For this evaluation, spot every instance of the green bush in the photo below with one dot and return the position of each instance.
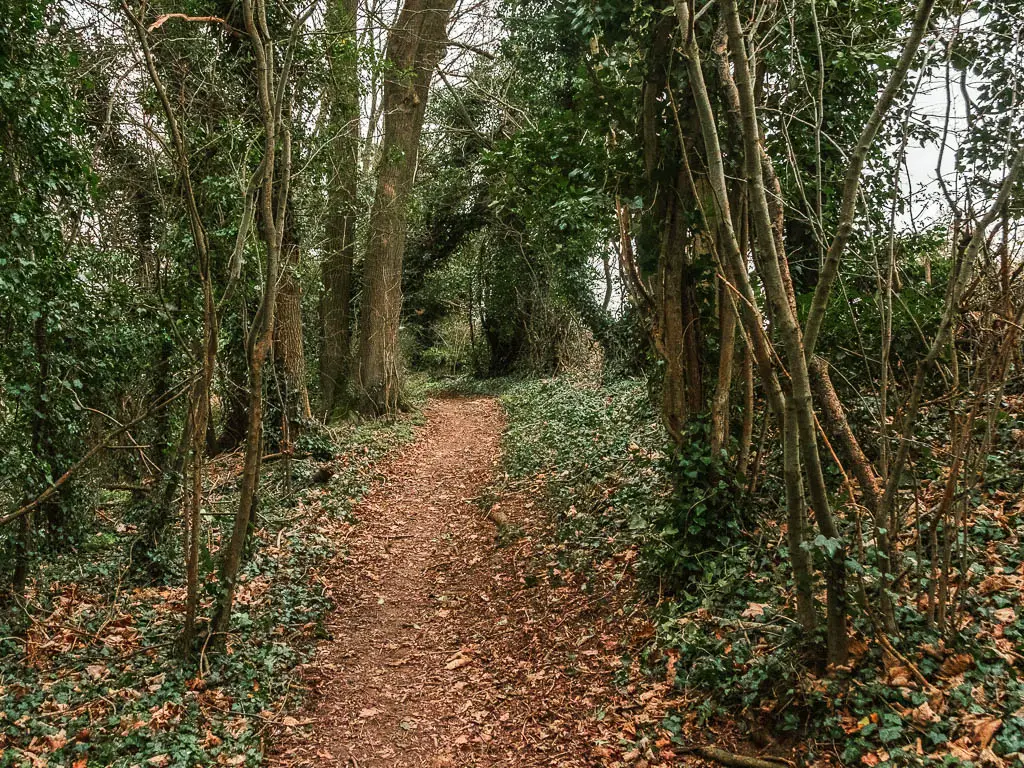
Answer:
(618, 481)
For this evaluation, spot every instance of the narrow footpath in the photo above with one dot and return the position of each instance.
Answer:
(448, 647)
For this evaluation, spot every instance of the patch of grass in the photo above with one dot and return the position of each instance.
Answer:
(467, 385)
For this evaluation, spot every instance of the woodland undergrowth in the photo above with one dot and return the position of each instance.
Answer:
(709, 563)
(89, 673)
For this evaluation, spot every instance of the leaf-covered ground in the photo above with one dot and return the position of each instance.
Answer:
(459, 643)
(538, 584)
(712, 568)
(88, 671)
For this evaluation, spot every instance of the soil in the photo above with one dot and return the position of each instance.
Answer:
(454, 642)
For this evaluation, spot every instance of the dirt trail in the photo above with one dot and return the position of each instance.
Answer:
(443, 650)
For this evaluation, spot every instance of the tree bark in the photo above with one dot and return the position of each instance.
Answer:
(289, 352)
(677, 337)
(723, 387)
(342, 206)
(747, 425)
(415, 46)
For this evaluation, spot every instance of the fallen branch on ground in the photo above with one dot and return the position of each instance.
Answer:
(736, 761)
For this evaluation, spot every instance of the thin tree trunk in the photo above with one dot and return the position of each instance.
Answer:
(838, 426)
(800, 392)
(199, 410)
(23, 542)
(796, 521)
(272, 85)
(199, 416)
(728, 241)
(723, 387)
(671, 327)
(747, 426)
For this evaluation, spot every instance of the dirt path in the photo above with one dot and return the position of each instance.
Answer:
(445, 649)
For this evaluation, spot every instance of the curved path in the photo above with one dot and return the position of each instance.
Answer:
(446, 649)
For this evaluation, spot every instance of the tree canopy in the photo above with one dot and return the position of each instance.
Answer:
(765, 255)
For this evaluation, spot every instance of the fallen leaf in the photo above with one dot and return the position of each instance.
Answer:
(753, 610)
(57, 740)
(990, 758)
(986, 730)
(994, 583)
(961, 750)
(1005, 615)
(924, 714)
(96, 671)
(954, 665)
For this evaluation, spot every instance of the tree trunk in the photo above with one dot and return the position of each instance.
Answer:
(417, 42)
(274, 182)
(342, 206)
(289, 354)
(747, 426)
(671, 328)
(40, 453)
(796, 521)
(799, 394)
(729, 249)
(835, 421)
(723, 387)
(199, 416)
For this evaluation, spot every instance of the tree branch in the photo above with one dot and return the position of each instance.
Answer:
(851, 184)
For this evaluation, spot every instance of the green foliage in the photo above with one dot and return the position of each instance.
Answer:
(697, 534)
(855, 315)
(723, 614)
(52, 299)
(89, 669)
(617, 483)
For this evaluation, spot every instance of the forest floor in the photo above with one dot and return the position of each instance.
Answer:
(457, 643)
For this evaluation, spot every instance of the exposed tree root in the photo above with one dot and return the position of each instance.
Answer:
(736, 761)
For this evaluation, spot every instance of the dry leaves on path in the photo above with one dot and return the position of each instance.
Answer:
(440, 654)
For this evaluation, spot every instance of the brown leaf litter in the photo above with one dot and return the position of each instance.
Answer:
(443, 652)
